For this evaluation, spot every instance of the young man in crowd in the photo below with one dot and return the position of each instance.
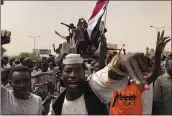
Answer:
(57, 57)
(53, 79)
(3, 63)
(7, 65)
(12, 62)
(78, 98)
(22, 61)
(41, 83)
(28, 62)
(163, 90)
(66, 48)
(20, 100)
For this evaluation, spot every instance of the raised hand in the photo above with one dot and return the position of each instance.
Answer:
(162, 41)
(102, 43)
(134, 64)
(56, 32)
(160, 45)
(5, 37)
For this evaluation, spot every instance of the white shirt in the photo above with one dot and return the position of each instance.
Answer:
(7, 86)
(57, 58)
(98, 83)
(7, 66)
(74, 107)
(54, 71)
(65, 47)
(12, 105)
(32, 79)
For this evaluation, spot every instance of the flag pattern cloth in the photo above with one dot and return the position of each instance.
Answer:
(95, 21)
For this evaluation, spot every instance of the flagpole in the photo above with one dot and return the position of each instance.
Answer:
(105, 18)
(104, 22)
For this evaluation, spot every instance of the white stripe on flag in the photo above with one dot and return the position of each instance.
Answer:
(92, 23)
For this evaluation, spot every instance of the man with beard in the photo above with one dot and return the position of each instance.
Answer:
(20, 100)
(163, 90)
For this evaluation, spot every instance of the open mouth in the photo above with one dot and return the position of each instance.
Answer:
(22, 91)
(73, 84)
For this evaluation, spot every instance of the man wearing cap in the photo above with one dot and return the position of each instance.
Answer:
(78, 98)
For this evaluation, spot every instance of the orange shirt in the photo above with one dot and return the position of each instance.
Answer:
(127, 101)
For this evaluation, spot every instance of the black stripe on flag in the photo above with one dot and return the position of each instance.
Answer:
(96, 32)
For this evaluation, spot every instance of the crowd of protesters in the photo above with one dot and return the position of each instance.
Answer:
(84, 77)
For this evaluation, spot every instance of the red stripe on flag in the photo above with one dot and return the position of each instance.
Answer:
(97, 8)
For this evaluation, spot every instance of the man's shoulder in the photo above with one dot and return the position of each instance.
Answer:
(36, 97)
(65, 42)
(98, 73)
(105, 69)
(162, 77)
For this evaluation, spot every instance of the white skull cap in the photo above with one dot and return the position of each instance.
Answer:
(73, 59)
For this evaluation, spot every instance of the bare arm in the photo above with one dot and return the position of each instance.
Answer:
(161, 42)
(67, 25)
(63, 37)
(60, 35)
(101, 52)
(37, 75)
(54, 48)
(155, 68)
(102, 56)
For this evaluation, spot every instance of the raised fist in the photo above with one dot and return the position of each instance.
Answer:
(5, 37)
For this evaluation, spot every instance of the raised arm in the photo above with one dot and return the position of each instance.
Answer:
(161, 43)
(60, 35)
(5, 37)
(54, 48)
(70, 26)
(37, 75)
(101, 52)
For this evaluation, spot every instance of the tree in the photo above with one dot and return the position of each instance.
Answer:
(26, 54)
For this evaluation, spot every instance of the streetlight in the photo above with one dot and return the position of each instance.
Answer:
(34, 41)
(157, 27)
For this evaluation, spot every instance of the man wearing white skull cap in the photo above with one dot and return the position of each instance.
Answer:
(78, 98)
